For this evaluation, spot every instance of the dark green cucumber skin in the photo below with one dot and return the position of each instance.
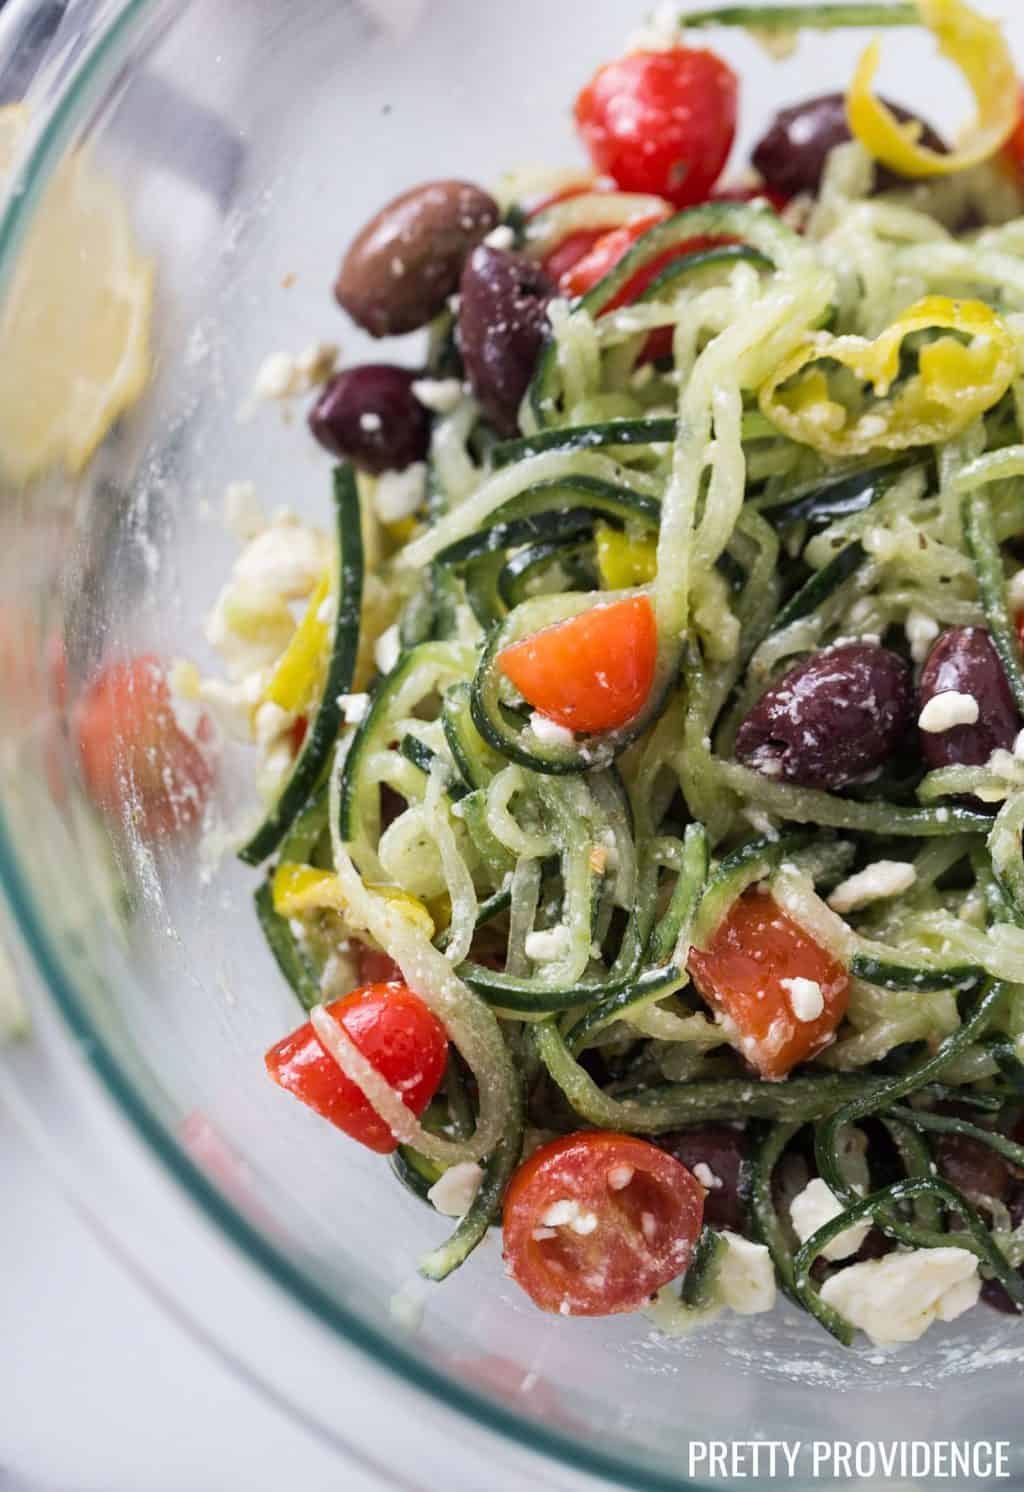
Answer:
(839, 496)
(820, 586)
(297, 970)
(921, 979)
(799, 17)
(315, 754)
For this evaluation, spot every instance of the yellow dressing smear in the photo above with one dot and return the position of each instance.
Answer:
(979, 49)
(303, 888)
(957, 379)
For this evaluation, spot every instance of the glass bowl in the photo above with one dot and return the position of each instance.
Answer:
(247, 143)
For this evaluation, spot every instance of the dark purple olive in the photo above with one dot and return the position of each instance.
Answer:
(964, 661)
(723, 1151)
(502, 327)
(792, 155)
(403, 266)
(832, 719)
(972, 1167)
(369, 415)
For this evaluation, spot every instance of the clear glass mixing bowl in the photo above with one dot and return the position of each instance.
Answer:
(249, 141)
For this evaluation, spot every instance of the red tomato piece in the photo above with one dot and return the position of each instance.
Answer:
(1020, 627)
(395, 1031)
(1014, 148)
(595, 1223)
(745, 974)
(592, 672)
(661, 122)
(135, 757)
(559, 262)
(605, 254)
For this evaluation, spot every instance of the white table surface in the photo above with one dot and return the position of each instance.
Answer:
(101, 1391)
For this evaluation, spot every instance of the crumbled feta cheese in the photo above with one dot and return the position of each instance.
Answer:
(945, 711)
(568, 1213)
(440, 395)
(619, 1178)
(881, 879)
(659, 33)
(897, 1298)
(921, 630)
(230, 706)
(353, 707)
(706, 1176)
(544, 947)
(817, 1205)
(370, 421)
(549, 732)
(745, 1278)
(805, 997)
(387, 649)
(397, 494)
(282, 376)
(271, 722)
(453, 1192)
(286, 559)
(502, 237)
(1015, 592)
(760, 821)
(244, 517)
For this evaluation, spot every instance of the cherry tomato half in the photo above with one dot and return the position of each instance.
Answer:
(592, 672)
(395, 1031)
(595, 1223)
(135, 757)
(661, 122)
(1014, 148)
(746, 973)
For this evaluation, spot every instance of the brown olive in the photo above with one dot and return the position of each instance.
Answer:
(723, 1151)
(964, 661)
(406, 262)
(835, 717)
(502, 327)
(972, 1167)
(369, 415)
(792, 155)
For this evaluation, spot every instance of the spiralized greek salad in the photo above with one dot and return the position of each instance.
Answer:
(640, 735)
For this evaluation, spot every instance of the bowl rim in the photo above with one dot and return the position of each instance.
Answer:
(83, 84)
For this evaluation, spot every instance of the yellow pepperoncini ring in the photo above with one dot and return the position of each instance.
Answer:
(303, 888)
(296, 678)
(623, 561)
(955, 381)
(980, 50)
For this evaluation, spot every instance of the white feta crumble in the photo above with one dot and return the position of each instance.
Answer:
(549, 732)
(745, 1278)
(921, 630)
(660, 31)
(387, 648)
(286, 559)
(897, 1298)
(619, 1178)
(1015, 591)
(706, 1176)
(271, 722)
(440, 395)
(370, 421)
(805, 997)
(876, 882)
(397, 494)
(502, 238)
(568, 1213)
(946, 710)
(453, 1192)
(544, 947)
(282, 376)
(244, 517)
(817, 1205)
(353, 707)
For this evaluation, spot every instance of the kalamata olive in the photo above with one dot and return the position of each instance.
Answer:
(502, 326)
(722, 1151)
(972, 1167)
(964, 661)
(830, 720)
(792, 155)
(406, 262)
(370, 416)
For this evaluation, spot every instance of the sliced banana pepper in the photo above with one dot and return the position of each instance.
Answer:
(296, 679)
(623, 561)
(304, 888)
(956, 380)
(979, 49)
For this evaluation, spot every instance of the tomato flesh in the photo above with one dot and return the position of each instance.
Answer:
(375, 967)
(661, 122)
(595, 1223)
(398, 1035)
(592, 672)
(741, 974)
(135, 757)
(1014, 147)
